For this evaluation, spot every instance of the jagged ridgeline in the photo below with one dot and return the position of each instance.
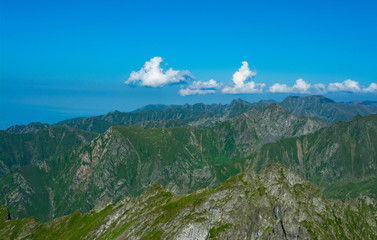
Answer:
(127, 160)
(275, 204)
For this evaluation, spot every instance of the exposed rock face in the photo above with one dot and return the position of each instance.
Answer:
(276, 204)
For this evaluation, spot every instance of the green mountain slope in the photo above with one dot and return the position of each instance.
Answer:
(276, 204)
(127, 160)
(324, 108)
(37, 146)
(343, 155)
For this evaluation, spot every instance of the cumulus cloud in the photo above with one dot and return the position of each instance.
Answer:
(371, 89)
(240, 85)
(188, 91)
(345, 86)
(351, 86)
(301, 86)
(211, 84)
(280, 88)
(304, 87)
(152, 75)
(200, 87)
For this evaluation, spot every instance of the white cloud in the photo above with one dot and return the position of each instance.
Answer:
(300, 87)
(351, 86)
(304, 87)
(240, 84)
(243, 74)
(188, 91)
(211, 84)
(199, 87)
(345, 86)
(250, 87)
(152, 75)
(372, 88)
(280, 88)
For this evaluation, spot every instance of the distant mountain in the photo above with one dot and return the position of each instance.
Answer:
(151, 107)
(31, 127)
(325, 108)
(215, 108)
(124, 161)
(160, 124)
(38, 146)
(341, 158)
(207, 115)
(275, 204)
(372, 104)
(198, 115)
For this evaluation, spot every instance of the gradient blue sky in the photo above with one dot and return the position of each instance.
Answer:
(62, 59)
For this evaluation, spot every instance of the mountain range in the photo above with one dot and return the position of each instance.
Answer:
(206, 115)
(106, 165)
(127, 160)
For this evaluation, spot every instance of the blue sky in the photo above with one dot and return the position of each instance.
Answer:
(62, 59)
